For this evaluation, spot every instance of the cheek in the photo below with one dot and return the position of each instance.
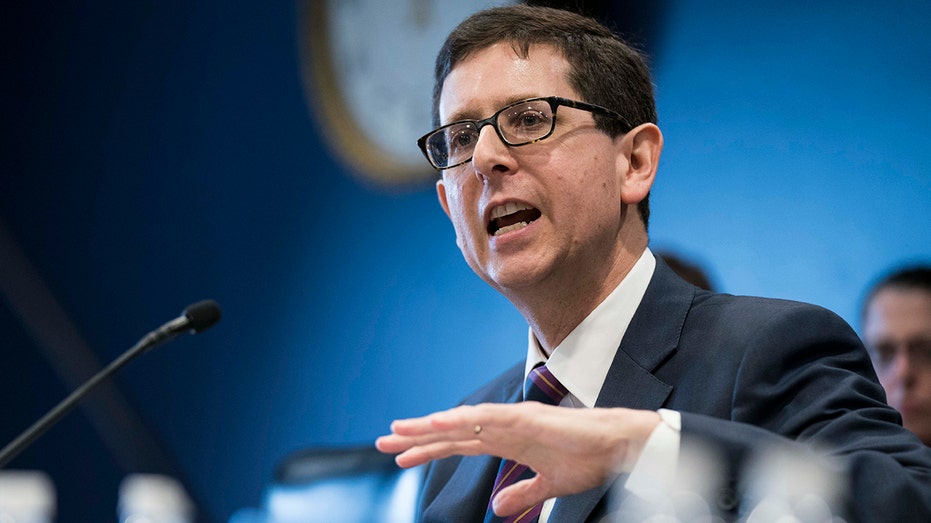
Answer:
(602, 196)
(893, 389)
(884, 380)
(458, 214)
(600, 179)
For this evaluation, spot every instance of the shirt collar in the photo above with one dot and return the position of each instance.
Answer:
(582, 360)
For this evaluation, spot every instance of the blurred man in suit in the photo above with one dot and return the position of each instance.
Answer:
(548, 146)
(897, 331)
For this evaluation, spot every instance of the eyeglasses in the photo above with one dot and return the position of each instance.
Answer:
(918, 352)
(520, 123)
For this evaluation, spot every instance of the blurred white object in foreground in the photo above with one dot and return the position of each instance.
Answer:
(152, 498)
(26, 496)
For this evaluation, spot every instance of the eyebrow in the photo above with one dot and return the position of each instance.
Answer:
(467, 114)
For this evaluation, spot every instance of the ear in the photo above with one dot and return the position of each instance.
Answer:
(638, 163)
(441, 196)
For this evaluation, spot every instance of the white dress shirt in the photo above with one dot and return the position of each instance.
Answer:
(581, 364)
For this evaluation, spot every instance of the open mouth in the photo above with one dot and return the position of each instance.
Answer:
(510, 217)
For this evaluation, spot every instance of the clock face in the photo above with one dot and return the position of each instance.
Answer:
(369, 76)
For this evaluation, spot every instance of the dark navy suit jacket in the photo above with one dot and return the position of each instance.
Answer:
(746, 374)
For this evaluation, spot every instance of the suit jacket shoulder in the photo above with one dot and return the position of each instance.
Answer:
(751, 375)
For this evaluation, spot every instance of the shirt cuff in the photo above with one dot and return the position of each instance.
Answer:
(655, 470)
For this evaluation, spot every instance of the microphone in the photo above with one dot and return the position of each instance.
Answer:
(196, 318)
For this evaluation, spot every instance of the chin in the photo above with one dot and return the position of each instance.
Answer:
(515, 270)
(924, 435)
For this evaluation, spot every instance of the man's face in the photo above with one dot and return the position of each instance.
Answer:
(566, 189)
(897, 331)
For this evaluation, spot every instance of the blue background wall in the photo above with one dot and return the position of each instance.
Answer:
(159, 153)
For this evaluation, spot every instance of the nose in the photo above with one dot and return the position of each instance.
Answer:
(900, 370)
(491, 156)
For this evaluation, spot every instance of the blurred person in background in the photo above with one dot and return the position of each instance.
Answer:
(896, 324)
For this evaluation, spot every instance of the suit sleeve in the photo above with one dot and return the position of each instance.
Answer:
(804, 385)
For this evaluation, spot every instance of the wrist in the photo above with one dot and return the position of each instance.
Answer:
(640, 425)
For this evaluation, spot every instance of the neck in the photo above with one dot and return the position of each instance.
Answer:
(554, 308)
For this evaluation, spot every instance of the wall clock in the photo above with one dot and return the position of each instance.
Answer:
(368, 75)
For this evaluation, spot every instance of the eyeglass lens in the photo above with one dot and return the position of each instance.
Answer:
(517, 124)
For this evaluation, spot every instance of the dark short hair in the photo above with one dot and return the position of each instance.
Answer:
(916, 276)
(604, 69)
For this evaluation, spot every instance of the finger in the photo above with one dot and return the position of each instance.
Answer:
(461, 418)
(437, 444)
(520, 496)
(412, 426)
(487, 421)
(393, 444)
(454, 425)
(423, 453)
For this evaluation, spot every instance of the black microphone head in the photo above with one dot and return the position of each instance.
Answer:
(202, 315)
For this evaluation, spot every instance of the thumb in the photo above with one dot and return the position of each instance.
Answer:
(520, 496)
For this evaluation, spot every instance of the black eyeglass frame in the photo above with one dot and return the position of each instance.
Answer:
(554, 101)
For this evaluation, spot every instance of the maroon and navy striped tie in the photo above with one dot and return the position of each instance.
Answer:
(540, 386)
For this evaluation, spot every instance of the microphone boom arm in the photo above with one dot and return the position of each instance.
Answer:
(196, 318)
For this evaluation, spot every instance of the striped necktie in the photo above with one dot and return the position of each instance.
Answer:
(540, 386)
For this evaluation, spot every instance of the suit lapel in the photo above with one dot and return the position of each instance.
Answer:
(466, 492)
(467, 481)
(650, 339)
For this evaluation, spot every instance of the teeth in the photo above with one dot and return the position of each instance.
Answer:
(508, 208)
(512, 227)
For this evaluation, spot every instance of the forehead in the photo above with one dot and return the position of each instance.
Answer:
(899, 311)
(493, 77)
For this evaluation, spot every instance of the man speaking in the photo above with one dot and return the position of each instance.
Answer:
(548, 147)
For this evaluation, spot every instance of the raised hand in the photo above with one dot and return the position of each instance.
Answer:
(571, 450)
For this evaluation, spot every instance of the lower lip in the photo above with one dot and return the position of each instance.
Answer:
(512, 235)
